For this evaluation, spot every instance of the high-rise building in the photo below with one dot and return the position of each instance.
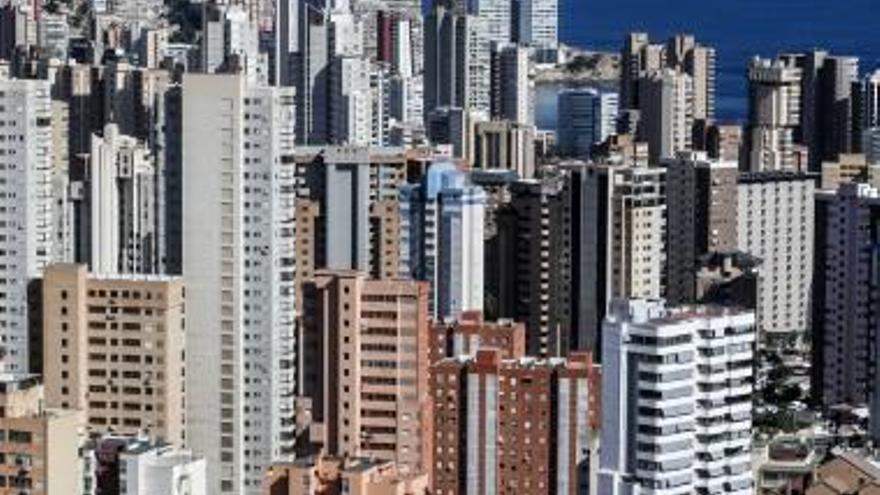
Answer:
(534, 266)
(619, 223)
(676, 399)
(687, 56)
(113, 348)
(666, 121)
(239, 267)
(41, 446)
(700, 217)
(775, 224)
(845, 309)
(586, 117)
(347, 210)
(637, 57)
(523, 425)
(365, 369)
(457, 60)
(351, 101)
(498, 18)
(26, 171)
(681, 54)
(827, 104)
(536, 22)
(513, 90)
(441, 222)
(774, 114)
(123, 223)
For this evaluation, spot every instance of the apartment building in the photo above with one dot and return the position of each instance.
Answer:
(677, 403)
(523, 425)
(775, 224)
(113, 348)
(364, 362)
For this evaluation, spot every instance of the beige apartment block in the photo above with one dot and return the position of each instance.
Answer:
(39, 447)
(113, 348)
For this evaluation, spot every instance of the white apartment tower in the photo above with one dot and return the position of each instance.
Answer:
(238, 264)
(442, 238)
(122, 206)
(497, 14)
(26, 245)
(774, 114)
(676, 400)
(775, 223)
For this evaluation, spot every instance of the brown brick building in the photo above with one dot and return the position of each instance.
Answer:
(364, 365)
(113, 348)
(514, 426)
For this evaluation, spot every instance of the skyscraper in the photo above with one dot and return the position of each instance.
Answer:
(845, 311)
(442, 222)
(534, 265)
(620, 238)
(774, 114)
(701, 217)
(671, 422)
(513, 90)
(239, 266)
(586, 117)
(123, 224)
(775, 224)
(26, 188)
(457, 61)
(667, 110)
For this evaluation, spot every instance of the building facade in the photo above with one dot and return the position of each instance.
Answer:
(239, 266)
(677, 399)
(113, 348)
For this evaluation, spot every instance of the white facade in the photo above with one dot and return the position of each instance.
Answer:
(538, 23)
(122, 205)
(442, 223)
(775, 220)
(676, 400)
(586, 117)
(161, 471)
(238, 263)
(26, 215)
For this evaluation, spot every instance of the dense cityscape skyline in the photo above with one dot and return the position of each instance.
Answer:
(327, 247)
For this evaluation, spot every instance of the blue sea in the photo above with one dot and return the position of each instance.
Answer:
(738, 29)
